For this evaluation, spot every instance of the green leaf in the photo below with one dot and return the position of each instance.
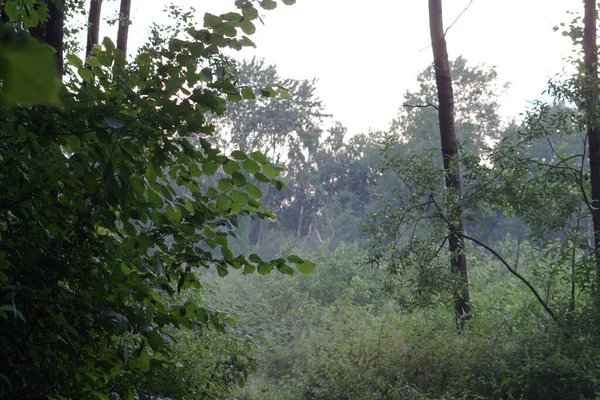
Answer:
(239, 155)
(212, 193)
(284, 94)
(232, 16)
(225, 184)
(174, 214)
(230, 167)
(86, 74)
(245, 41)
(295, 259)
(108, 44)
(255, 258)
(248, 93)
(250, 166)
(238, 179)
(253, 191)
(115, 322)
(74, 142)
(226, 29)
(269, 92)
(188, 206)
(196, 49)
(279, 185)
(195, 170)
(234, 98)
(262, 178)
(250, 13)
(286, 270)
(224, 204)
(258, 156)
(268, 4)
(288, 2)
(270, 171)
(265, 268)
(306, 267)
(211, 20)
(74, 60)
(210, 168)
(248, 27)
(129, 228)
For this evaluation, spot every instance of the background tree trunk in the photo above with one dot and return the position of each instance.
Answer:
(124, 22)
(93, 36)
(55, 33)
(52, 32)
(443, 80)
(590, 49)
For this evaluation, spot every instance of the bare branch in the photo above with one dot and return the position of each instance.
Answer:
(420, 106)
(457, 18)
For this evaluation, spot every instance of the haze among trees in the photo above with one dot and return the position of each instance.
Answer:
(178, 222)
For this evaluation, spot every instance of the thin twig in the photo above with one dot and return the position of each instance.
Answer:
(420, 106)
(457, 18)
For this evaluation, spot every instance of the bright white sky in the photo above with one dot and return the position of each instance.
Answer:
(366, 54)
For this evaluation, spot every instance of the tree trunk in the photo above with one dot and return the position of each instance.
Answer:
(93, 36)
(255, 235)
(458, 263)
(52, 32)
(55, 33)
(590, 49)
(124, 22)
(300, 218)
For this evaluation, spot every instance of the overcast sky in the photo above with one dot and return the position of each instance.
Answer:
(366, 54)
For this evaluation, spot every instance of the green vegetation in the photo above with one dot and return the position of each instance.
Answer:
(157, 207)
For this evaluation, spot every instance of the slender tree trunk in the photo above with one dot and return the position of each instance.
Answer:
(300, 219)
(458, 263)
(55, 33)
(124, 22)
(590, 49)
(255, 234)
(93, 36)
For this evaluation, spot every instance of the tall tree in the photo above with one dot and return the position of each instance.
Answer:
(124, 22)
(450, 157)
(286, 130)
(590, 49)
(93, 35)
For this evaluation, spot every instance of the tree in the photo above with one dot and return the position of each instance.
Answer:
(450, 156)
(592, 109)
(477, 122)
(124, 22)
(287, 130)
(93, 32)
(98, 247)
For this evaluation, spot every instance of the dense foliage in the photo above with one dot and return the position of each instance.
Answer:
(106, 211)
(146, 195)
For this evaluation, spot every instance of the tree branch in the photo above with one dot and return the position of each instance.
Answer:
(420, 106)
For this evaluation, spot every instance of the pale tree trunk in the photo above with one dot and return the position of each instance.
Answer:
(124, 22)
(300, 218)
(590, 49)
(93, 35)
(458, 263)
